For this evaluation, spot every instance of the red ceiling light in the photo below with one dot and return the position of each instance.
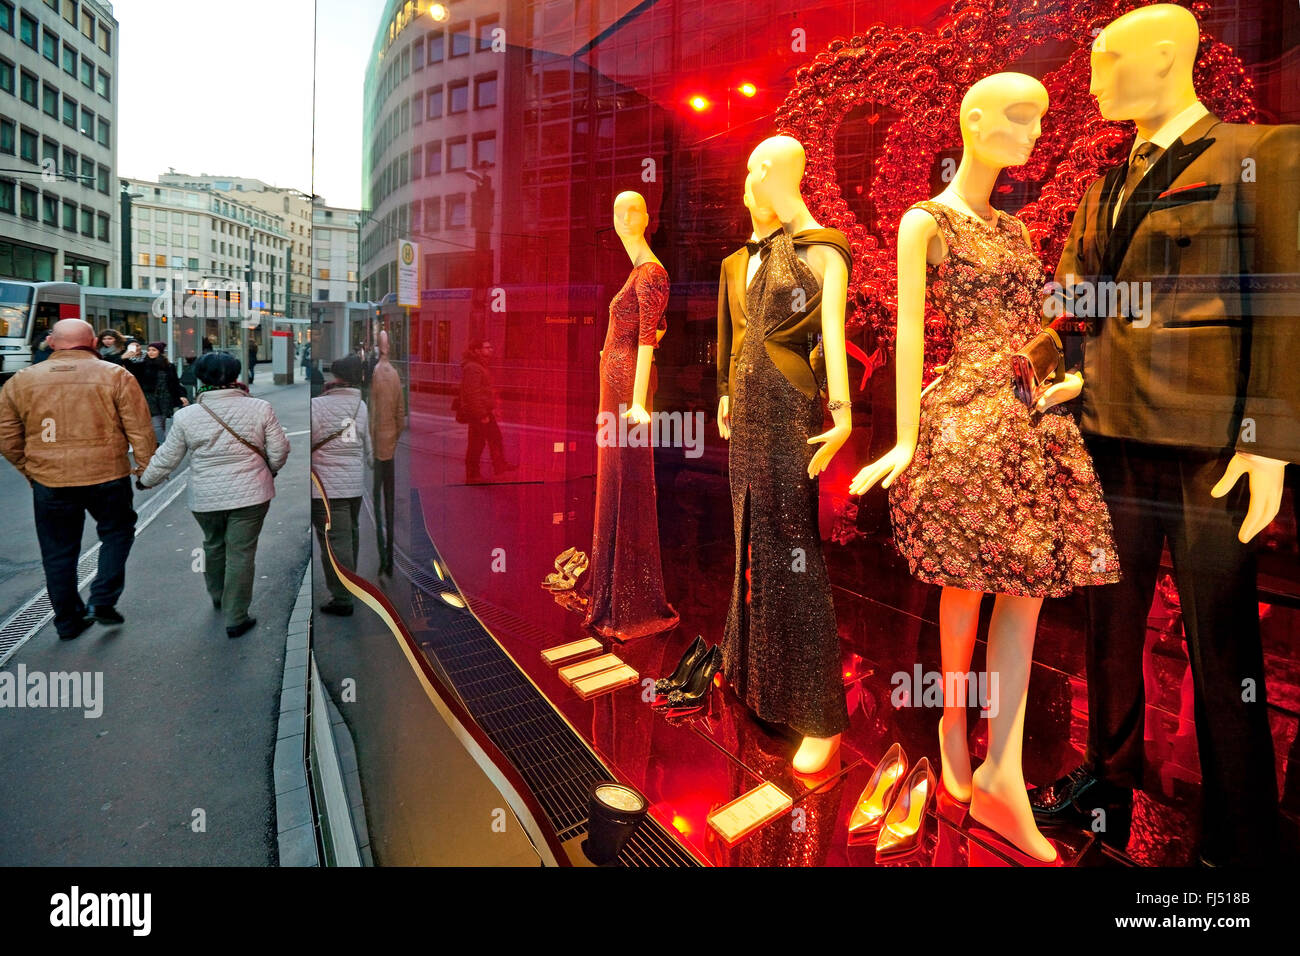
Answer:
(748, 89)
(699, 103)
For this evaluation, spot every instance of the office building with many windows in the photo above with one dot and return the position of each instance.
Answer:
(58, 141)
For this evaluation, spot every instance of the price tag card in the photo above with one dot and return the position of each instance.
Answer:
(585, 669)
(565, 652)
(749, 811)
(605, 681)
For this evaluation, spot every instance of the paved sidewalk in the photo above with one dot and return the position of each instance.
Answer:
(178, 768)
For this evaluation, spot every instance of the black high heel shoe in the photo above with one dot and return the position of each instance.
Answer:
(694, 694)
(690, 660)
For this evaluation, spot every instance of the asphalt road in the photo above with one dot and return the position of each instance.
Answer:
(177, 770)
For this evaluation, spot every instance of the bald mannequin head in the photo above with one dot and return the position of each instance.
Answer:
(1001, 118)
(630, 214)
(775, 172)
(1142, 64)
(71, 334)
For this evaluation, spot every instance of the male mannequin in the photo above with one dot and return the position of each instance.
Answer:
(387, 420)
(1183, 395)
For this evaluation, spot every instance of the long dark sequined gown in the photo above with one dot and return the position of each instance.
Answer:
(997, 498)
(626, 598)
(781, 648)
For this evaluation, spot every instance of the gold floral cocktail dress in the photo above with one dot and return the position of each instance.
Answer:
(997, 498)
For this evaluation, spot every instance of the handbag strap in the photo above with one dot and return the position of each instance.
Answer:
(316, 446)
(261, 453)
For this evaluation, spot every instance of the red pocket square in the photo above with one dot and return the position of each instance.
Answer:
(1180, 189)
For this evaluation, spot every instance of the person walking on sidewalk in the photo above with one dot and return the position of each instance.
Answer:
(65, 425)
(112, 346)
(388, 419)
(478, 411)
(238, 446)
(340, 448)
(161, 386)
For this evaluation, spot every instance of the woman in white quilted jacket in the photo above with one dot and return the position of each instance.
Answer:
(340, 450)
(238, 445)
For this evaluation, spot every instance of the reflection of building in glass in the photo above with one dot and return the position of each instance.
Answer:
(58, 141)
(334, 253)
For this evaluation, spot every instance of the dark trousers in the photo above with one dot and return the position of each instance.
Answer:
(1156, 494)
(480, 434)
(60, 517)
(229, 552)
(343, 537)
(383, 482)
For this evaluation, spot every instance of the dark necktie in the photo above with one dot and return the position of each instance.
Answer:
(1138, 164)
(763, 246)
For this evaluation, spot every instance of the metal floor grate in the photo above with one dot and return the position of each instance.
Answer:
(557, 766)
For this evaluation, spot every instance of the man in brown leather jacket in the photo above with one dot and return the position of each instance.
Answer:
(387, 420)
(65, 424)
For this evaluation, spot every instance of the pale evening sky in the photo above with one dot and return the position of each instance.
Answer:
(231, 93)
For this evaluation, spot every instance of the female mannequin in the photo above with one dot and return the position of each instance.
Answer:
(987, 496)
(625, 539)
(781, 650)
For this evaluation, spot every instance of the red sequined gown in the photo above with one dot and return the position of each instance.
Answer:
(997, 498)
(626, 598)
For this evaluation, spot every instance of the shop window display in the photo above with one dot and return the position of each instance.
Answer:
(773, 526)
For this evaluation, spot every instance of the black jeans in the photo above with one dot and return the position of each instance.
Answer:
(1157, 494)
(60, 517)
(384, 514)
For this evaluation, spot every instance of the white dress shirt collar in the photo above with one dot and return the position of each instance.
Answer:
(1175, 127)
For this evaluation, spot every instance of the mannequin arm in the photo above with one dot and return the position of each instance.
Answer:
(724, 416)
(915, 232)
(1265, 476)
(645, 356)
(835, 283)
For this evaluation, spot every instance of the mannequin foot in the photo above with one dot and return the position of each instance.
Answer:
(1003, 806)
(954, 756)
(815, 753)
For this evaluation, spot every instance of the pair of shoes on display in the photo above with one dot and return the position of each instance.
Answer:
(337, 608)
(1077, 798)
(569, 566)
(239, 630)
(687, 688)
(892, 807)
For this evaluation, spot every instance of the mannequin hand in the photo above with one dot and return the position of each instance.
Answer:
(1060, 392)
(1265, 476)
(831, 441)
(888, 466)
(724, 416)
(637, 414)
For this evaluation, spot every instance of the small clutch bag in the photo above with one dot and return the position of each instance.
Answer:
(1036, 365)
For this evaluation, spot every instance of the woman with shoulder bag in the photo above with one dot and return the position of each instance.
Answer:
(340, 449)
(238, 446)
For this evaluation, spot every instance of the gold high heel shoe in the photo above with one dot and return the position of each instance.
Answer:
(904, 827)
(577, 564)
(558, 575)
(869, 813)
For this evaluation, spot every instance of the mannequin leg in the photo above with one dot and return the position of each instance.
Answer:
(998, 796)
(815, 753)
(959, 618)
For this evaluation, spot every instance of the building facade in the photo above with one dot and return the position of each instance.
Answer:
(334, 243)
(58, 141)
(435, 95)
(295, 211)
